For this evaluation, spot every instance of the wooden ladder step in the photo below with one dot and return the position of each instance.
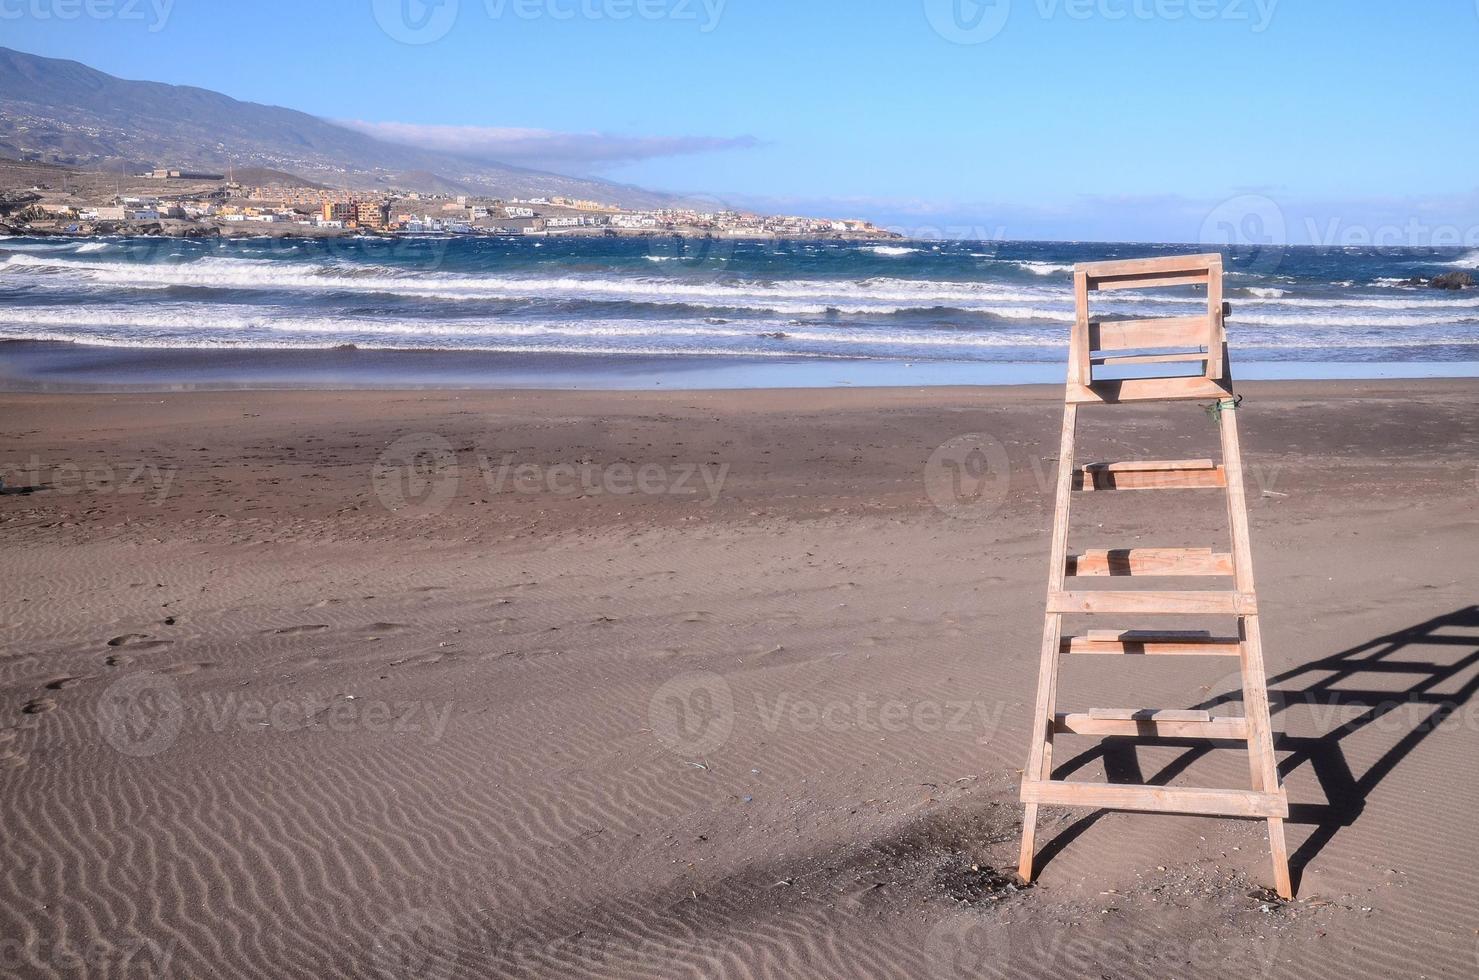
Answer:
(1147, 465)
(1157, 799)
(1157, 333)
(1147, 390)
(1154, 603)
(1157, 474)
(1155, 726)
(1109, 359)
(1152, 643)
(1148, 714)
(1149, 561)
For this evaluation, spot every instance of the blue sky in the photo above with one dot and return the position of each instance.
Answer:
(1120, 119)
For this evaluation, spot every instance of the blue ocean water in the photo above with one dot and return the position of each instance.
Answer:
(914, 301)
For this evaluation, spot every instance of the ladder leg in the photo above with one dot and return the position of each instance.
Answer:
(1282, 885)
(1040, 757)
(1262, 764)
(1029, 842)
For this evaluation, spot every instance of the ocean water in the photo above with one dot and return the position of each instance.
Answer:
(964, 302)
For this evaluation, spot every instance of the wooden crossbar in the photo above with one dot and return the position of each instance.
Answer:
(1158, 799)
(1094, 343)
(1149, 561)
(1218, 729)
(1148, 714)
(1151, 465)
(1154, 603)
(1119, 268)
(1151, 358)
(1148, 643)
(1099, 477)
(1146, 389)
(1166, 331)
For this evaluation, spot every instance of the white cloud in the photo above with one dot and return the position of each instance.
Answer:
(543, 148)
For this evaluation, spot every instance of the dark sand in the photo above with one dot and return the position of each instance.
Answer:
(278, 702)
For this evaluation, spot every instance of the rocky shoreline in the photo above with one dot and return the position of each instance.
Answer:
(196, 229)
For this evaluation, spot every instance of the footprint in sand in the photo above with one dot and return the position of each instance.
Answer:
(137, 641)
(118, 660)
(696, 617)
(62, 683)
(295, 630)
(38, 706)
(11, 760)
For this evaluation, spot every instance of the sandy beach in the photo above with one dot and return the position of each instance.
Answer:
(705, 684)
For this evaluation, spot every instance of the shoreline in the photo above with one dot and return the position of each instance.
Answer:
(197, 231)
(62, 366)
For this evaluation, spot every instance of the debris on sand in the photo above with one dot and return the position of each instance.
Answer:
(978, 884)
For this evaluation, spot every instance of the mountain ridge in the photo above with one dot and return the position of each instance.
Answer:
(56, 110)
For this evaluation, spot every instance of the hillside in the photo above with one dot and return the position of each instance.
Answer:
(64, 112)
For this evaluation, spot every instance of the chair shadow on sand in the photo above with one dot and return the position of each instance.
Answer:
(1451, 645)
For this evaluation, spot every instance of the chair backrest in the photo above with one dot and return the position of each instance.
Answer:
(1160, 340)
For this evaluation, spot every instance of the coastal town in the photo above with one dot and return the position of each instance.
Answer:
(173, 202)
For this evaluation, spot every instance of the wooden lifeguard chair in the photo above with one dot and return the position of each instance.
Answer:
(1095, 345)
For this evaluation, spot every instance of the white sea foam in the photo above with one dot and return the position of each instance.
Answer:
(1044, 268)
(182, 329)
(821, 317)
